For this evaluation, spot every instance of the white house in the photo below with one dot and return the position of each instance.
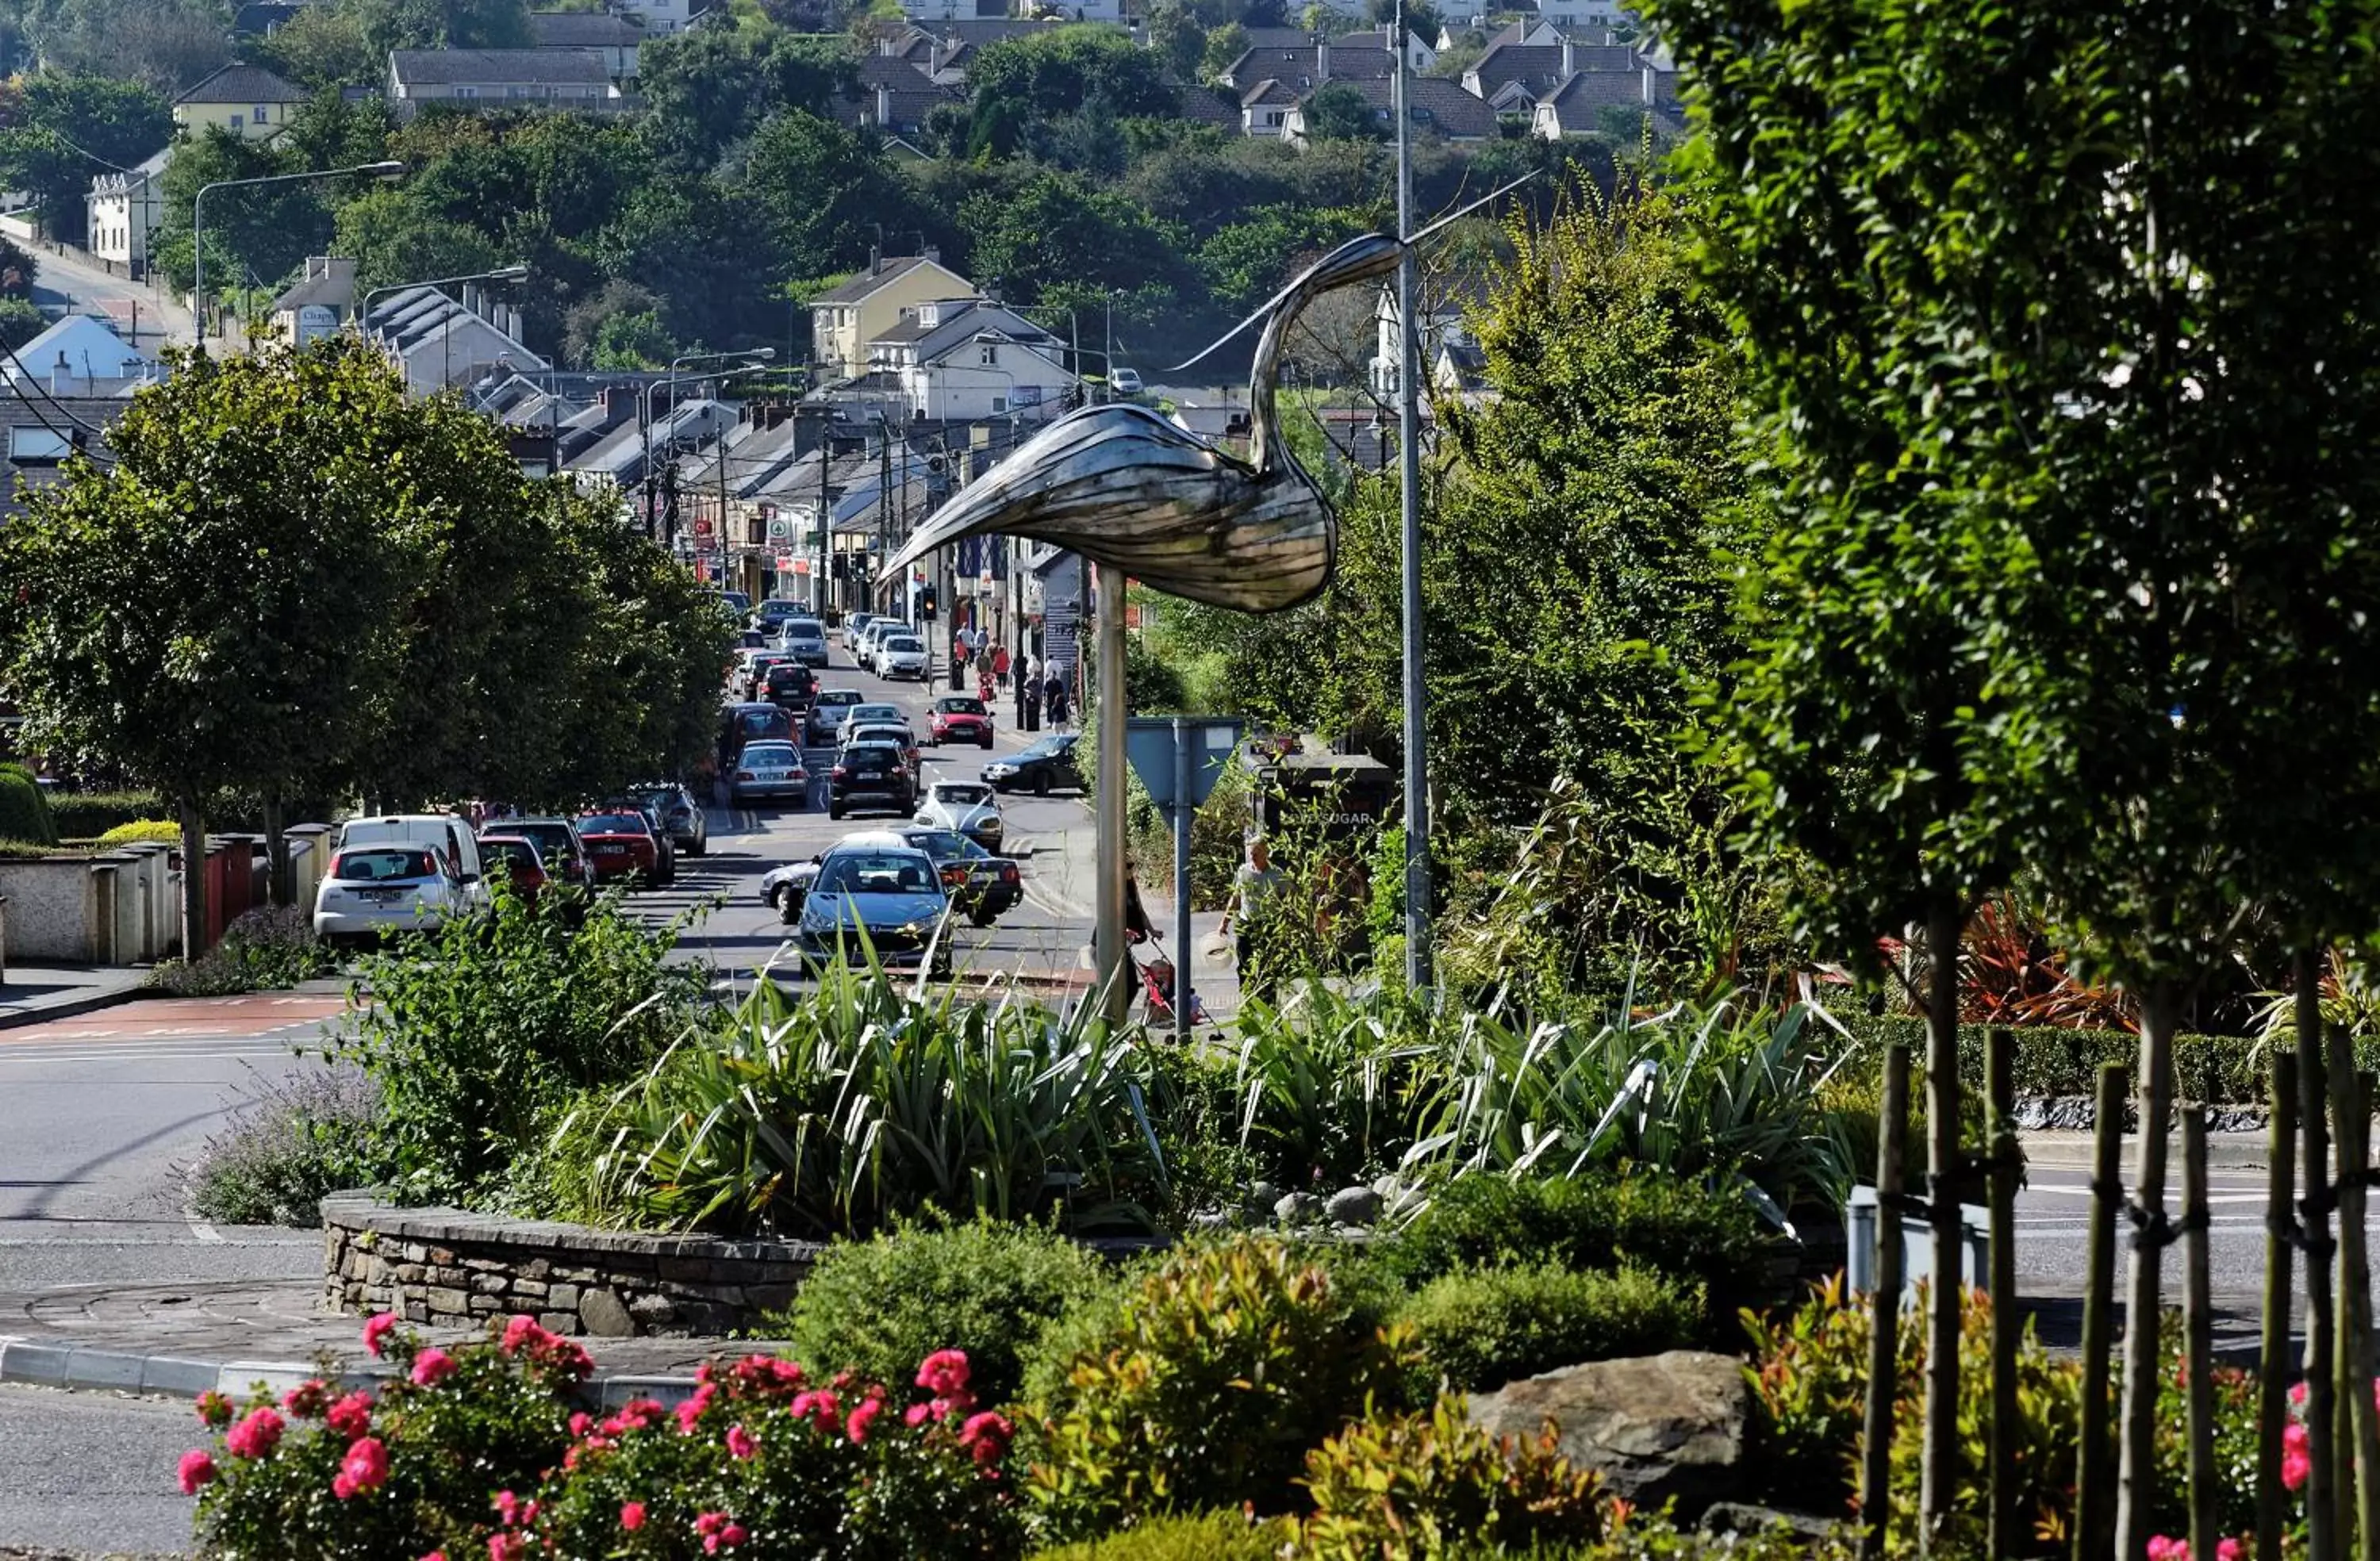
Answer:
(1448, 351)
(661, 17)
(440, 343)
(80, 357)
(567, 77)
(123, 210)
(967, 359)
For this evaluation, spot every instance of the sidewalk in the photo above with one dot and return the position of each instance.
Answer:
(182, 1340)
(35, 994)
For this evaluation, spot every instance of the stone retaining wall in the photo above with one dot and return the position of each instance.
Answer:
(447, 1266)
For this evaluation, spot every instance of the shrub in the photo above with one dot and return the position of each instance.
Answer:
(1205, 1536)
(1670, 1226)
(480, 1032)
(2213, 1069)
(1480, 1329)
(24, 811)
(142, 831)
(1203, 1386)
(1329, 1085)
(83, 816)
(825, 1471)
(864, 1102)
(300, 1138)
(879, 1306)
(268, 949)
(1395, 1487)
(402, 1469)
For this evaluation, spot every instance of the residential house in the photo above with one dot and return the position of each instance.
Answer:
(1587, 13)
(1264, 108)
(851, 314)
(1351, 57)
(123, 208)
(1511, 78)
(661, 17)
(566, 78)
(954, 10)
(318, 303)
(1445, 328)
(79, 355)
(247, 100)
(442, 343)
(43, 432)
(969, 360)
(1436, 107)
(892, 96)
(1578, 106)
(609, 34)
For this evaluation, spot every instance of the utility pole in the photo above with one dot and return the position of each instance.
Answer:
(1417, 961)
(825, 510)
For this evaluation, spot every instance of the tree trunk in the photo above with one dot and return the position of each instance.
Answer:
(2314, 1094)
(2352, 1094)
(1939, 1490)
(2136, 1481)
(2273, 1374)
(276, 848)
(194, 880)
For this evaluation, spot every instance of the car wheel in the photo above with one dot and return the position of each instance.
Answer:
(834, 810)
(986, 741)
(1041, 784)
(773, 897)
(982, 916)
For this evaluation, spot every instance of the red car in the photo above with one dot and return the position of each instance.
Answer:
(959, 718)
(519, 859)
(621, 845)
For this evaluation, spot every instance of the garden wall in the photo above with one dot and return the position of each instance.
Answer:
(437, 1266)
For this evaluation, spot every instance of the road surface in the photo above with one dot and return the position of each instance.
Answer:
(71, 282)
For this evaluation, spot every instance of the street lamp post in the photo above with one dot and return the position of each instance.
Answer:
(645, 410)
(385, 170)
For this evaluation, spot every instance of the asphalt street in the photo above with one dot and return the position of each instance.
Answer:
(71, 282)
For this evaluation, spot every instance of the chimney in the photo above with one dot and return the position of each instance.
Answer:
(875, 259)
(883, 106)
(933, 253)
(619, 402)
(1570, 58)
(1321, 58)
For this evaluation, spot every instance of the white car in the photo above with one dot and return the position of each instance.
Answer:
(968, 807)
(449, 835)
(1125, 381)
(372, 890)
(904, 656)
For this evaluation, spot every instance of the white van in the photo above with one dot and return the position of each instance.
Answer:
(448, 834)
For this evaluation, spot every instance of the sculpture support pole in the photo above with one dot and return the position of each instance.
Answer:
(1107, 935)
(1409, 473)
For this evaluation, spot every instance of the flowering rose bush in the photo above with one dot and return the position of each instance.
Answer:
(402, 1470)
(764, 1461)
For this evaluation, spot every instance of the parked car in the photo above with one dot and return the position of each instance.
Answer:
(828, 712)
(872, 643)
(782, 888)
(896, 732)
(518, 858)
(854, 626)
(664, 844)
(804, 640)
(755, 676)
(682, 818)
(959, 718)
(1047, 766)
(870, 775)
(968, 807)
(902, 656)
(738, 602)
(893, 896)
(791, 685)
(1124, 382)
(776, 610)
(559, 848)
(621, 844)
(448, 834)
(393, 886)
(770, 772)
(753, 721)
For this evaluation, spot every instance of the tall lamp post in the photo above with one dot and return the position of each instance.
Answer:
(645, 407)
(386, 170)
(1417, 961)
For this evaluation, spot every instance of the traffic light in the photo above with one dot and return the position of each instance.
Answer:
(926, 603)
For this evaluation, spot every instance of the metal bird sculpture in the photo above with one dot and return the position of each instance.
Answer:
(1124, 486)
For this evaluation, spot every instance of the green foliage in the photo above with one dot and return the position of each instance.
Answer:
(878, 1307)
(58, 112)
(1403, 1487)
(1203, 1388)
(392, 239)
(295, 1141)
(1205, 1536)
(865, 1101)
(633, 340)
(1339, 113)
(1481, 1328)
(1327, 1086)
(141, 831)
(478, 1034)
(21, 321)
(267, 949)
(24, 811)
(1027, 92)
(2212, 1069)
(83, 816)
(162, 45)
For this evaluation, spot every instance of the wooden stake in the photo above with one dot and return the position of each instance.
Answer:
(1939, 1490)
(2136, 1491)
(2322, 1533)
(1884, 1336)
(2000, 1078)
(2273, 1385)
(2095, 1475)
(2198, 1331)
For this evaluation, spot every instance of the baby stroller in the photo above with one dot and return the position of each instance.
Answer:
(1156, 990)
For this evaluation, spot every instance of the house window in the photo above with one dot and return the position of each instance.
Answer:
(467, 92)
(30, 446)
(264, 113)
(991, 356)
(1273, 118)
(238, 121)
(999, 405)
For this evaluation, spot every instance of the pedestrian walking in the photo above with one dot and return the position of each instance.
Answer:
(1000, 665)
(1054, 694)
(1255, 896)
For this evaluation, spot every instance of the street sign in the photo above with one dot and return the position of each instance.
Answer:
(787, 563)
(702, 527)
(801, 565)
(781, 529)
(1148, 742)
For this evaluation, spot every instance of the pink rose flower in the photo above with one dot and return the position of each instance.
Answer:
(433, 1366)
(351, 1416)
(364, 1469)
(507, 1547)
(632, 1516)
(987, 1424)
(740, 1443)
(819, 1404)
(2296, 1468)
(514, 1512)
(214, 1409)
(916, 1414)
(862, 1416)
(727, 1536)
(376, 1332)
(255, 1436)
(944, 1373)
(2228, 1550)
(579, 1423)
(2298, 1393)
(197, 1468)
(307, 1399)
(522, 1332)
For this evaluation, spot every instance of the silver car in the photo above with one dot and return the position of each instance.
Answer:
(904, 656)
(770, 771)
(375, 889)
(968, 807)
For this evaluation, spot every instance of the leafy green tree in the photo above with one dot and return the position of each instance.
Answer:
(64, 129)
(1339, 113)
(1247, 262)
(323, 46)
(164, 44)
(20, 320)
(1178, 37)
(1225, 44)
(634, 340)
(1058, 228)
(828, 189)
(268, 231)
(1041, 78)
(392, 239)
(708, 87)
(709, 253)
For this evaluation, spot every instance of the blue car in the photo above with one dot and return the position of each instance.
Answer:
(892, 894)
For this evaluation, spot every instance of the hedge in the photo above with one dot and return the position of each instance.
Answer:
(143, 831)
(2210, 1070)
(24, 812)
(84, 815)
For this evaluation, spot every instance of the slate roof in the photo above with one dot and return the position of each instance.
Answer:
(1438, 106)
(866, 283)
(1536, 67)
(243, 84)
(584, 30)
(1207, 106)
(914, 94)
(1302, 64)
(530, 68)
(1269, 91)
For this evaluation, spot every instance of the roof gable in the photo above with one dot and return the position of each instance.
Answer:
(584, 30)
(533, 68)
(868, 284)
(238, 84)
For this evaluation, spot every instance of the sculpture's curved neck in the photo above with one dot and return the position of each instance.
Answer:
(1355, 261)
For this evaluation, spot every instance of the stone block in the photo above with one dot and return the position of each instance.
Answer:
(652, 1309)
(770, 1298)
(441, 1254)
(686, 1268)
(486, 1305)
(486, 1264)
(415, 1252)
(417, 1310)
(443, 1298)
(605, 1315)
(563, 1298)
(529, 1290)
(451, 1277)
(1657, 1427)
(490, 1284)
(536, 1268)
(559, 1322)
(409, 1273)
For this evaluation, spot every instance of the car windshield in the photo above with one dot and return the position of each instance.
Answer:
(879, 731)
(803, 628)
(876, 873)
(944, 844)
(904, 643)
(511, 852)
(785, 673)
(960, 706)
(1044, 748)
(769, 753)
(963, 794)
(890, 714)
(839, 697)
(613, 824)
(383, 862)
(769, 722)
